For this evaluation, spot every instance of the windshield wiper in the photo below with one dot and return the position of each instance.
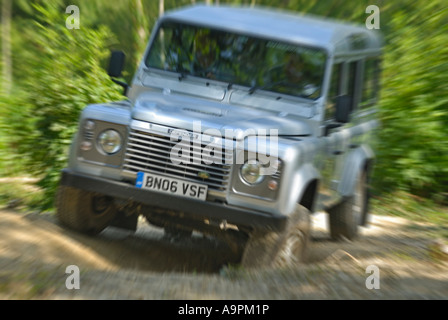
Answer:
(268, 85)
(181, 72)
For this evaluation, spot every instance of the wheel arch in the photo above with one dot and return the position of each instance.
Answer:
(303, 188)
(359, 161)
(309, 195)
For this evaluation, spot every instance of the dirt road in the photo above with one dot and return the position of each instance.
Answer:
(35, 252)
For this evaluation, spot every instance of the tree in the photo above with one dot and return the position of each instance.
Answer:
(65, 75)
(57, 72)
(413, 141)
(6, 47)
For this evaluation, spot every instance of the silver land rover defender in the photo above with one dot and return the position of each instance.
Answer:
(239, 124)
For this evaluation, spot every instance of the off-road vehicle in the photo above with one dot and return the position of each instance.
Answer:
(238, 124)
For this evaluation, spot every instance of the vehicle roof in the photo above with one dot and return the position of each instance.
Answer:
(334, 36)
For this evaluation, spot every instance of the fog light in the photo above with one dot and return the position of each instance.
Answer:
(273, 185)
(86, 146)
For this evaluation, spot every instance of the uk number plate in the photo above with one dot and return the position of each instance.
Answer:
(163, 184)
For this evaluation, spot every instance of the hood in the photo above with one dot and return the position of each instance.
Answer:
(188, 112)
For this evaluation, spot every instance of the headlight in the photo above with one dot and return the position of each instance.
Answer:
(109, 141)
(251, 172)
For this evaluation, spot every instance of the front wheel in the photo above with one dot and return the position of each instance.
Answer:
(346, 217)
(280, 249)
(83, 211)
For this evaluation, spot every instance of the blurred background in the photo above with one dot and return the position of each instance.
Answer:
(50, 73)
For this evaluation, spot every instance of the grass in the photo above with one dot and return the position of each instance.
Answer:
(427, 215)
(403, 255)
(20, 193)
(30, 284)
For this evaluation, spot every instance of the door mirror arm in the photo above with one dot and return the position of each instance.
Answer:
(330, 127)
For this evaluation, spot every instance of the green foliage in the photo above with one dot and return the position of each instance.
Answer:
(424, 214)
(64, 75)
(57, 72)
(20, 194)
(16, 133)
(413, 142)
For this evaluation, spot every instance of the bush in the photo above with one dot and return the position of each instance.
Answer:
(65, 75)
(413, 142)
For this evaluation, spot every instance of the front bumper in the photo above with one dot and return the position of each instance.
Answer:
(190, 208)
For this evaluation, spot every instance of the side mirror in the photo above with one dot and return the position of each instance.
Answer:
(343, 109)
(116, 66)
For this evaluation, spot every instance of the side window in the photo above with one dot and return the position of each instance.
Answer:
(335, 90)
(370, 82)
(354, 82)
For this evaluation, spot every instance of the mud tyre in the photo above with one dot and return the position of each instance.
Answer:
(83, 211)
(346, 217)
(280, 249)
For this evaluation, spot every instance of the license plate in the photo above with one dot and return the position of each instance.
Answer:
(178, 187)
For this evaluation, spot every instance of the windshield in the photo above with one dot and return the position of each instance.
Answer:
(259, 64)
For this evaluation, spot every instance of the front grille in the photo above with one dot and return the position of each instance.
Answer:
(150, 152)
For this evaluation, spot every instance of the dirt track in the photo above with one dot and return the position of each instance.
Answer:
(35, 251)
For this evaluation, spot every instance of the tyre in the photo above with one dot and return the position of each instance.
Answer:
(346, 217)
(280, 249)
(83, 211)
